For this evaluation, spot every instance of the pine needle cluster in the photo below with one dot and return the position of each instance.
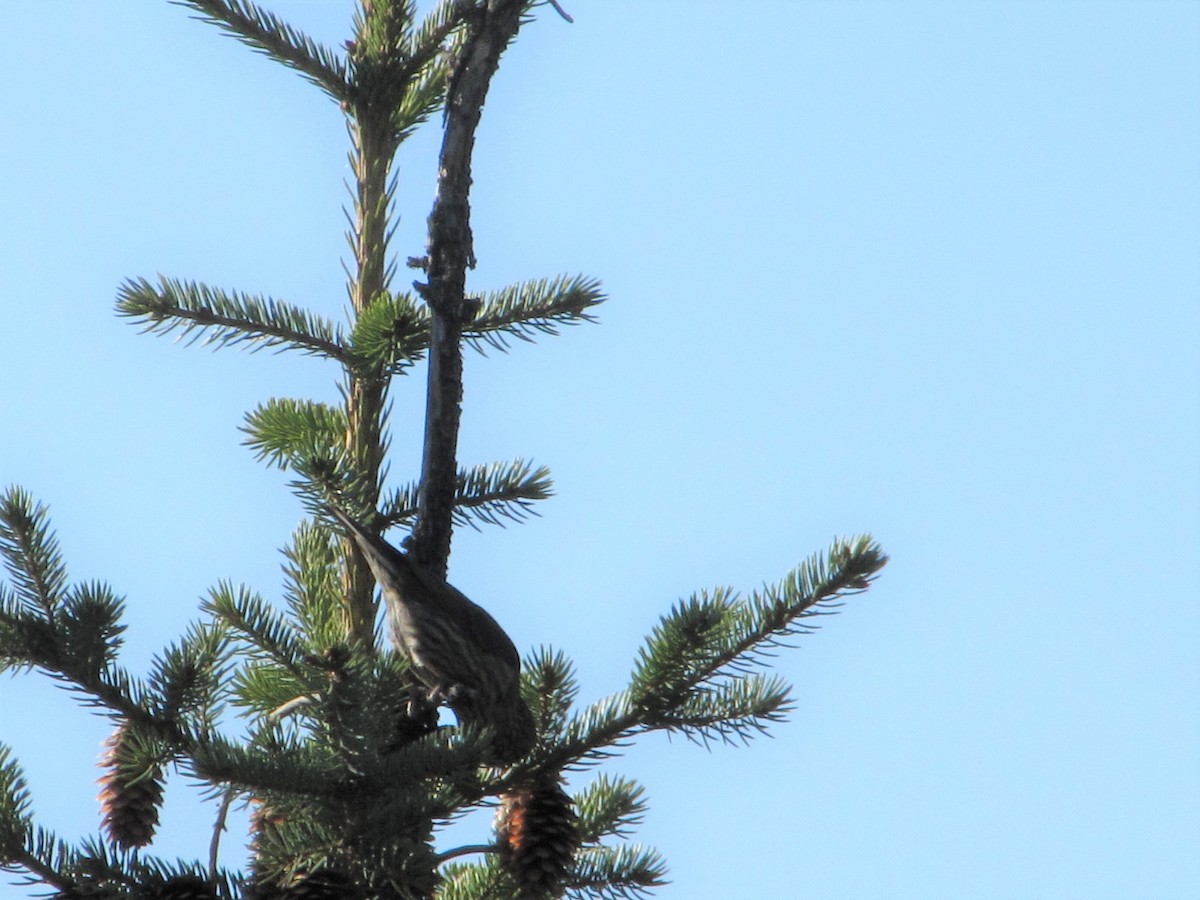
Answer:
(296, 707)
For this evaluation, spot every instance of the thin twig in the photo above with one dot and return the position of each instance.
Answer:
(562, 12)
(215, 847)
(464, 851)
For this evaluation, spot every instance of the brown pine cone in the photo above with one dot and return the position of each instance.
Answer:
(131, 793)
(536, 832)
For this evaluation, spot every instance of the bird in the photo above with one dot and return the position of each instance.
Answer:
(459, 653)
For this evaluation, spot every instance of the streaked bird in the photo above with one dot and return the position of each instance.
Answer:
(458, 651)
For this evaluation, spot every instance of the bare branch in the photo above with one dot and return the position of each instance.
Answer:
(489, 31)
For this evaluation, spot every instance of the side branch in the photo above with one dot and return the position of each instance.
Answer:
(694, 675)
(226, 317)
(269, 34)
(489, 32)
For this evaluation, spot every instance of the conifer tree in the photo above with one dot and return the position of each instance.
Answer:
(344, 767)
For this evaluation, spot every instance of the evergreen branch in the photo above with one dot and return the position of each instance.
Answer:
(690, 675)
(27, 640)
(425, 43)
(526, 310)
(607, 723)
(719, 636)
(491, 494)
(190, 677)
(610, 807)
(389, 335)
(46, 858)
(100, 863)
(313, 584)
(472, 881)
(102, 871)
(257, 623)
(404, 72)
(231, 317)
(114, 689)
(266, 33)
(377, 57)
(813, 588)
(425, 95)
(399, 507)
(269, 689)
(31, 553)
(89, 629)
(15, 801)
(76, 647)
(614, 873)
(688, 645)
(549, 686)
(733, 710)
(41, 854)
(71, 634)
(344, 718)
(445, 753)
(381, 83)
(283, 431)
(165, 881)
(300, 839)
(428, 53)
(294, 769)
(328, 477)
(374, 147)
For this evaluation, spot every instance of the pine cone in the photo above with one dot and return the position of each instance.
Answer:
(535, 826)
(131, 792)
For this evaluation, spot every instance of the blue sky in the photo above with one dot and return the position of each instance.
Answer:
(923, 269)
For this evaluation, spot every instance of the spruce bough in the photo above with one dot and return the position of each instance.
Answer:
(343, 765)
